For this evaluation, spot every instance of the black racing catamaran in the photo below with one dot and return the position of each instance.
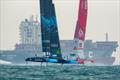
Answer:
(50, 37)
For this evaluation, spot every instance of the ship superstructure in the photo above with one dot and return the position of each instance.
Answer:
(30, 31)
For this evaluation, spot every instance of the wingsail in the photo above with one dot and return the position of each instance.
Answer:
(49, 30)
(80, 31)
(82, 21)
(49, 35)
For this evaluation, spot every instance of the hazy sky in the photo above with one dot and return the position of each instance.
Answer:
(103, 16)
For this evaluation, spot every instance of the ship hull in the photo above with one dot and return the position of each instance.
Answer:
(100, 54)
(19, 58)
(107, 61)
(15, 57)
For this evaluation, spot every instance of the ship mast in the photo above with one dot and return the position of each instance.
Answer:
(106, 37)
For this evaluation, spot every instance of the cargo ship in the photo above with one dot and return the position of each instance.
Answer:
(31, 44)
(101, 50)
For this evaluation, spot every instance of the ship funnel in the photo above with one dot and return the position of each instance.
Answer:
(106, 36)
(36, 18)
(31, 18)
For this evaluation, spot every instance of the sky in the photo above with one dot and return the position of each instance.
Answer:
(103, 16)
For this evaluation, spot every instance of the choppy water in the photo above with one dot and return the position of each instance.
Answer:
(58, 72)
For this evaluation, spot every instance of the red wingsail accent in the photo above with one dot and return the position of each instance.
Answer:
(82, 19)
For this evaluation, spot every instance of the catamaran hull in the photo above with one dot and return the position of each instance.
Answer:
(36, 59)
(19, 58)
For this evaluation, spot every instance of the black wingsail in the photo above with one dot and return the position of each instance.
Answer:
(49, 30)
(49, 35)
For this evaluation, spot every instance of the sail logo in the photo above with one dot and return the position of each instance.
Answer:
(81, 33)
(48, 23)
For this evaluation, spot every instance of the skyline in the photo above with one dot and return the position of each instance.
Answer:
(103, 16)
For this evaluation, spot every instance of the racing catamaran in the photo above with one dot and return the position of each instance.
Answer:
(50, 37)
(79, 36)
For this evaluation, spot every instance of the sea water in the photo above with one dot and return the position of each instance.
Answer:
(59, 72)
